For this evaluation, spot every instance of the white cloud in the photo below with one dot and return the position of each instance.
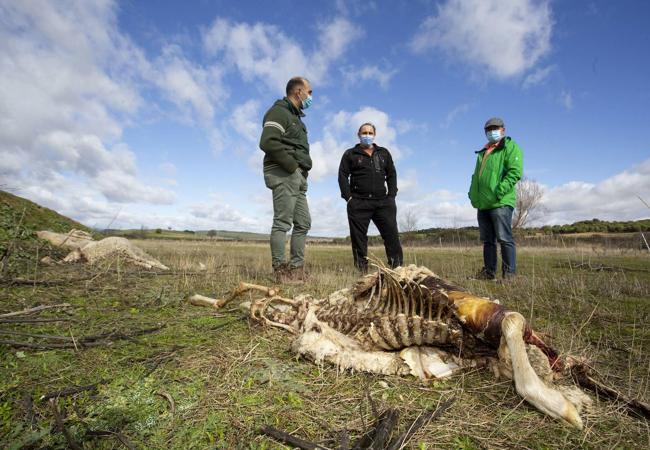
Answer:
(537, 77)
(194, 89)
(454, 113)
(615, 198)
(168, 168)
(246, 121)
(504, 37)
(69, 84)
(263, 52)
(218, 214)
(566, 99)
(340, 133)
(355, 75)
(329, 216)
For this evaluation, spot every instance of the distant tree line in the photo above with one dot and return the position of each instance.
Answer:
(470, 235)
(597, 226)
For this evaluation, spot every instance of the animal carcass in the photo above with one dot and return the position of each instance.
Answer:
(409, 320)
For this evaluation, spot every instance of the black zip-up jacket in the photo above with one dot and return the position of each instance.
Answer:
(363, 176)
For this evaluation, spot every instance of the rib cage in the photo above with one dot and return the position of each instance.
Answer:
(392, 310)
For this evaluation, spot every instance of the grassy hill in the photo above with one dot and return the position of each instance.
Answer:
(20, 218)
(16, 210)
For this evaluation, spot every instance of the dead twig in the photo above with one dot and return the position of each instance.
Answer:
(72, 390)
(22, 281)
(378, 436)
(421, 420)
(30, 416)
(169, 398)
(289, 439)
(42, 336)
(36, 309)
(19, 320)
(61, 426)
(107, 433)
(70, 342)
(582, 374)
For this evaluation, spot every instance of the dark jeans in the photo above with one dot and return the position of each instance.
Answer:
(496, 225)
(383, 214)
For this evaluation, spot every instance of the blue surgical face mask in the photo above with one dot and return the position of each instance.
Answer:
(306, 103)
(494, 135)
(367, 139)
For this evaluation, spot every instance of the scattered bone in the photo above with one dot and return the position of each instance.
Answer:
(201, 300)
(46, 260)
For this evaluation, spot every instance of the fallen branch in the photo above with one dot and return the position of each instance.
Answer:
(87, 341)
(582, 374)
(30, 416)
(36, 309)
(287, 438)
(59, 423)
(169, 398)
(42, 336)
(106, 433)
(72, 390)
(378, 436)
(22, 281)
(19, 320)
(421, 420)
(17, 344)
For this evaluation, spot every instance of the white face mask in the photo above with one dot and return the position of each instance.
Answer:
(367, 139)
(494, 135)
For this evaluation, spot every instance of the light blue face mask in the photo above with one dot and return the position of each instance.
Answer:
(367, 139)
(306, 103)
(494, 135)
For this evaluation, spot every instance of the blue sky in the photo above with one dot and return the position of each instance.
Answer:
(141, 113)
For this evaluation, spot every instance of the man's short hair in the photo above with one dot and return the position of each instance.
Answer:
(374, 130)
(295, 83)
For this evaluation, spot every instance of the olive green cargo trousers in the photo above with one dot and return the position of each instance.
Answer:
(290, 209)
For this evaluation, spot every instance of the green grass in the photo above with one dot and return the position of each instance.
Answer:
(227, 377)
(16, 210)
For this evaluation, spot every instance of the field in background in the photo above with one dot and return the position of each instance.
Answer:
(211, 379)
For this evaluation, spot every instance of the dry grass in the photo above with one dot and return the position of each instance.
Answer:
(227, 378)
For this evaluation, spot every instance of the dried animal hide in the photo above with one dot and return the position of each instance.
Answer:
(409, 320)
(85, 249)
(71, 240)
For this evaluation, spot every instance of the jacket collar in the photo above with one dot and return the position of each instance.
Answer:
(358, 149)
(291, 107)
(501, 145)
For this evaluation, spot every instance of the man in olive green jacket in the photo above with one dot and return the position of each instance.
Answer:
(499, 166)
(286, 166)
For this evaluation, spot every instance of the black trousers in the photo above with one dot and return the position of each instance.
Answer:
(383, 214)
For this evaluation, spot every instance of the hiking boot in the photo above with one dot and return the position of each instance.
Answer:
(281, 274)
(507, 278)
(298, 274)
(484, 275)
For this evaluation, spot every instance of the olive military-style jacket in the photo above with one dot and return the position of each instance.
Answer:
(284, 139)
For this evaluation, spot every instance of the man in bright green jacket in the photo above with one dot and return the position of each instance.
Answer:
(499, 166)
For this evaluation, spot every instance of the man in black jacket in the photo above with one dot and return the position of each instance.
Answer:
(365, 171)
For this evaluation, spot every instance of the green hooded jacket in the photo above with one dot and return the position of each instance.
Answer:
(284, 139)
(496, 185)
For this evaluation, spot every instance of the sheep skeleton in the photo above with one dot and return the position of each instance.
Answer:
(412, 310)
